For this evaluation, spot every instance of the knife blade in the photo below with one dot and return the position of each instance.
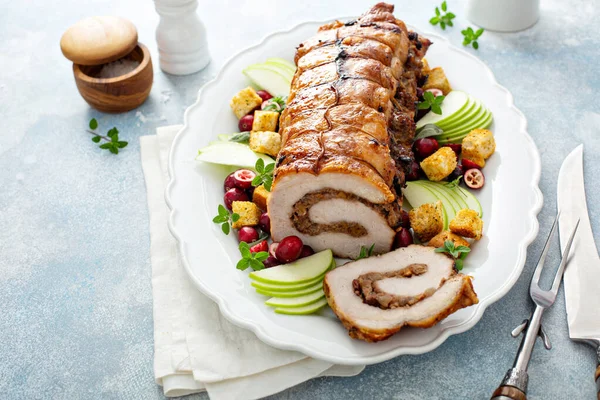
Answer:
(582, 277)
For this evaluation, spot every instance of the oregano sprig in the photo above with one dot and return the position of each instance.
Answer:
(225, 218)
(459, 253)
(365, 252)
(264, 174)
(113, 144)
(431, 102)
(454, 183)
(249, 259)
(442, 19)
(471, 37)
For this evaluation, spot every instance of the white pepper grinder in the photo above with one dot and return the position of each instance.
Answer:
(181, 37)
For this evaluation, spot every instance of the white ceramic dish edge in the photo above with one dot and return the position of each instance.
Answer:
(264, 335)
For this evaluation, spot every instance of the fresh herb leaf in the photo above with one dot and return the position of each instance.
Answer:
(429, 130)
(249, 259)
(442, 19)
(365, 252)
(454, 183)
(459, 253)
(431, 102)
(471, 36)
(113, 144)
(264, 174)
(241, 137)
(275, 104)
(225, 218)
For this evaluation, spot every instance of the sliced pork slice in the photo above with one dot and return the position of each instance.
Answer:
(412, 286)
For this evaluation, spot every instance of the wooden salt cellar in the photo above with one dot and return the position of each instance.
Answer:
(93, 42)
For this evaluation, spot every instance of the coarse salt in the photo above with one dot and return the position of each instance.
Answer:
(118, 68)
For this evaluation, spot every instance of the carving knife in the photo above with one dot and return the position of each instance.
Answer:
(582, 277)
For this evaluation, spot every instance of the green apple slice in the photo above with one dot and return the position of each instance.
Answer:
(448, 205)
(273, 79)
(459, 136)
(471, 200)
(440, 190)
(295, 301)
(305, 310)
(475, 113)
(418, 195)
(276, 287)
(288, 65)
(231, 153)
(453, 192)
(455, 102)
(469, 108)
(295, 293)
(473, 124)
(299, 271)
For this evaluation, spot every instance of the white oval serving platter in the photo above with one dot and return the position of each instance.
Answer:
(510, 199)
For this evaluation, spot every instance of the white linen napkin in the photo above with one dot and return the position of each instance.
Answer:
(195, 348)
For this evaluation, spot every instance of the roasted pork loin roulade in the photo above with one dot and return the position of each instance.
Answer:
(346, 135)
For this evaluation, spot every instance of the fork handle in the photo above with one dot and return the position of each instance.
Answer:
(597, 376)
(508, 393)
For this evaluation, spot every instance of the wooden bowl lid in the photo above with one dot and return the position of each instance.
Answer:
(99, 40)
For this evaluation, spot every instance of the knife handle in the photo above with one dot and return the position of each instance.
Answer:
(508, 393)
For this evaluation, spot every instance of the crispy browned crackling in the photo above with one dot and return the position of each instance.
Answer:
(344, 129)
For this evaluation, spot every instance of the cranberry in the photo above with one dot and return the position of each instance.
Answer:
(250, 191)
(456, 147)
(289, 249)
(425, 147)
(246, 122)
(247, 234)
(271, 262)
(403, 238)
(420, 114)
(306, 251)
(273, 248)
(468, 164)
(405, 219)
(229, 182)
(454, 175)
(414, 172)
(234, 194)
(268, 103)
(435, 92)
(474, 178)
(243, 178)
(264, 223)
(262, 246)
(264, 95)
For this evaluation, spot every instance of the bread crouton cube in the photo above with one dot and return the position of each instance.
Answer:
(440, 164)
(437, 80)
(478, 146)
(245, 101)
(265, 142)
(424, 67)
(439, 240)
(265, 121)
(468, 224)
(427, 220)
(260, 197)
(248, 211)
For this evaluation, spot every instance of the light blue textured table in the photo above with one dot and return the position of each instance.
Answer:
(75, 292)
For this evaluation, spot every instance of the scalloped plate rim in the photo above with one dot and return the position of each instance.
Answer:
(262, 333)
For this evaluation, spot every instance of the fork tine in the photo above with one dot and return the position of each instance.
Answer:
(540, 265)
(563, 262)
